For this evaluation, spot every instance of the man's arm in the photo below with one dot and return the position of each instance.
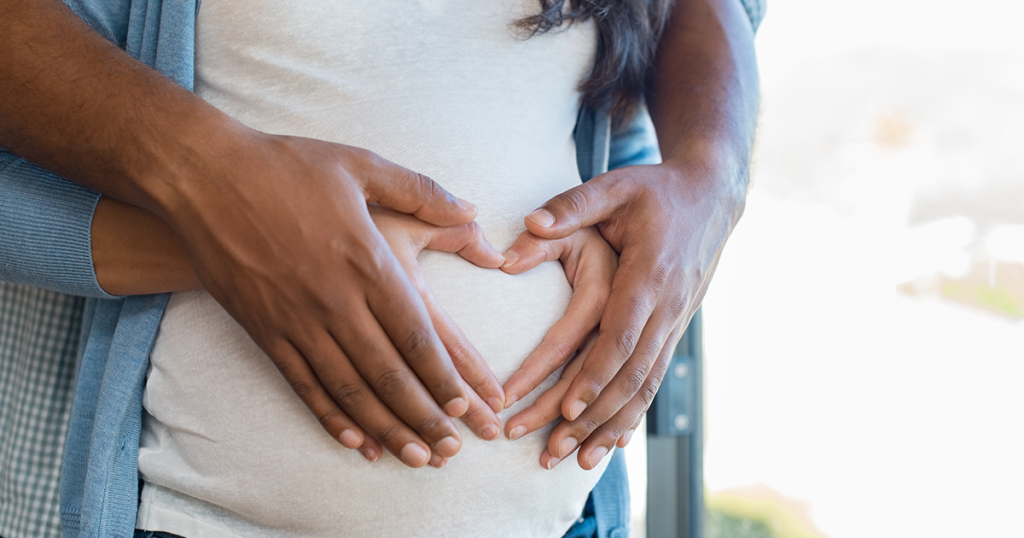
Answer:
(276, 227)
(668, 221)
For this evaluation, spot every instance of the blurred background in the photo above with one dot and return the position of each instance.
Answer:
(864, 334)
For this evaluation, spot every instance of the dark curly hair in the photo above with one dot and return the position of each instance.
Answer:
(628, 33)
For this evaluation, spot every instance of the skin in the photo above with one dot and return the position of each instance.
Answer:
(136, 253)
(669, 223)
(127, 132)
(277, 228)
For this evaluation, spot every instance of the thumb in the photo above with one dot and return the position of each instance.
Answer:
(586, 205)
(406, 191)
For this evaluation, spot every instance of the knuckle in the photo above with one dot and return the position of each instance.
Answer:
(575, 201)
(327, 417)
(431, 427)
(365, 163)
(633, 381)
(474, 415)
(417, 344)
(590, 389)
(559, 351)
(304, 390)
(390, 435)
(625, 340)
(676, 304)
(647, 394)
(659, 275)
(449, 387)
(364, 154)
(374, 265)
(391, 384)
(460, 352)
(648, 391)
(348, 395)
(587, 425)
(611, 432)
(653, 348)
(637, 304)
(430, 187)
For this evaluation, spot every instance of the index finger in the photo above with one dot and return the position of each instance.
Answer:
(403, 316)
(630, 306)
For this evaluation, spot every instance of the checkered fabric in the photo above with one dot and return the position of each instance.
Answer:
(39, 332)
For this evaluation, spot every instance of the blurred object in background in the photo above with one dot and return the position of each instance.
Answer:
(926, 140)
(864, 333)
(758, 512)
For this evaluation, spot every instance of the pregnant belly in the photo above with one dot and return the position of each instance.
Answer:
(227, 445)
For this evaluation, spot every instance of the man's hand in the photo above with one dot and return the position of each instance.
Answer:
(277, 227)
(408, 236)
(280, 235)
(137, 253)
(669, 222)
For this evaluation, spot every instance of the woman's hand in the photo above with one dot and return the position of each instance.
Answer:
(669, 223)
(408, 236)
(546, 409)
(590, 265)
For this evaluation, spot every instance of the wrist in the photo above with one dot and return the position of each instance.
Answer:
(181, 156)
(712, 172)
(134, 252)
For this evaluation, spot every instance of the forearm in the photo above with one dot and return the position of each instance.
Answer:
(704, 95)
(669, 222)
(136, 253)
(77, 105)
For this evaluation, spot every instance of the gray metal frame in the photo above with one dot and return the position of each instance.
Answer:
(675, 443)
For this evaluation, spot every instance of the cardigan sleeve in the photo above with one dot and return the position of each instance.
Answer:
(45, 229)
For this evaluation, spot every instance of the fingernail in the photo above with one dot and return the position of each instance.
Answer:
(542, 217)
(467, 205)
(596, 455)
(496, 404)
(491, 432)
(511, 257)
(552, 462)
(517, 432)
(437, 461)
(511, 400)
(414, 455)
(628, 437)
(449, 445)
(576, 408)
(369, 453)
(456, 407)
(567, 446)
(349, 439)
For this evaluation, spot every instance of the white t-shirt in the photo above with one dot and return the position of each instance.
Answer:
(447, 88)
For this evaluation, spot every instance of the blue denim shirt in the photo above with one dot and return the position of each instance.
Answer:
(45, 227)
